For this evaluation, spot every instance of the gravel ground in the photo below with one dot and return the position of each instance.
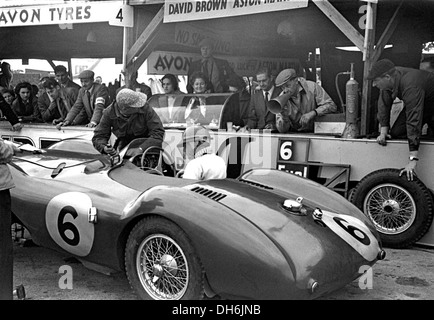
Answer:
(404, 275)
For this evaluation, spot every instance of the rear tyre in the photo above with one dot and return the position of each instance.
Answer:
(401, 210)
(161, 263)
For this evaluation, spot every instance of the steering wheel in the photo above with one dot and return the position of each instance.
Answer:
(159, 167)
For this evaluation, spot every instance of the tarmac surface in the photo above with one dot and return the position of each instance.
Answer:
(405, 274)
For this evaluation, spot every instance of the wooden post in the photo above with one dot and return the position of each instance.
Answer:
(6, 248)
(368, 52)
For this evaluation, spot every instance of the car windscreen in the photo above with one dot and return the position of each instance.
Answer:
(182, 110)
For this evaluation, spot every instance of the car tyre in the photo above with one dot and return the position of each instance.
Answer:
(401, 210)
(161, 263)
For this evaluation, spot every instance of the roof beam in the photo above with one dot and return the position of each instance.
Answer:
(387, 33)
(145, 37)
(339, 20)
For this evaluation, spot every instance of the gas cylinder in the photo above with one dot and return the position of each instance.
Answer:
(352, 107)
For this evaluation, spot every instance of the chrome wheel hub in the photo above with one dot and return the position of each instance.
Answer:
(162, 268)
(391, 208)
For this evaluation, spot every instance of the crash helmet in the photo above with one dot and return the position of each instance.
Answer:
(195, 137)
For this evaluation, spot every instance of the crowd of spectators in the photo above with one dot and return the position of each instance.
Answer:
(60, 101)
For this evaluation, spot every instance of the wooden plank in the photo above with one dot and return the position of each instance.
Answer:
(365, 111)
(142, 2)
(143, 55)
(339, 20)
(145, 36)
(387, 33)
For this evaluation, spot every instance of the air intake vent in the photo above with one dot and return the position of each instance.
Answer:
(257, 184)
(214, 195)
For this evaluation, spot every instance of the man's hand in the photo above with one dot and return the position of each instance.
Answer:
(270, 126)
(244, 129)
(62, 124)
(381, 139)
(14, 146)
(91, 125)
(17, 126)
(306, 118)
(409, 170)
(57, 121)
(108, 149)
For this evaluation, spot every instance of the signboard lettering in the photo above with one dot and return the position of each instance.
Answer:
(190, 36)
(162, 62)
(209, 9)
(73, 12)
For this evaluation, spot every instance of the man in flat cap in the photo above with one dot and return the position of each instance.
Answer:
(128, 117)
(306, 101)
(92, 99)
(416, 89)
(217, 70)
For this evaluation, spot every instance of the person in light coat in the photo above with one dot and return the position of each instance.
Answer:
(7, 151)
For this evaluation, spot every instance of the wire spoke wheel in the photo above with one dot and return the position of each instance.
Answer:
(162, 268)
(400, 210)
(391, 208)
(161, 262)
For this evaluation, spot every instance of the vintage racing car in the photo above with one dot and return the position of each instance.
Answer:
(266, 235)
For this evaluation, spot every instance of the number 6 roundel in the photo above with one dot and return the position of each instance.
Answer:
(67, 222)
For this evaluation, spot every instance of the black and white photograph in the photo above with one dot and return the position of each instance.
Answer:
(204, 152)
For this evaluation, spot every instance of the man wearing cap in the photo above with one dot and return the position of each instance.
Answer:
(217, 70)
(128, 118)
(416, 89)
(92, 99)
(306, 101)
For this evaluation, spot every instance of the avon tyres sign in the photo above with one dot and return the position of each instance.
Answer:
(74, 12)
(209, 9)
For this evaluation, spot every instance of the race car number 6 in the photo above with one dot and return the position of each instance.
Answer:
(66, 219)
(354, 232)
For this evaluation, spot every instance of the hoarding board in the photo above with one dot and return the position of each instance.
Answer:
(175, 11)
(73, 12)
(162, 62)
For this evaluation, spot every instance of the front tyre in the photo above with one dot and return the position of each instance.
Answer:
(401, 210)
(161, 263)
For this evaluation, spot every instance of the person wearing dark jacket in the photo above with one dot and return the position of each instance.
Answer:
(58, 102)
(128, 118)
(25, 104)
(216, 70)
(5, 75)
(238, 86)
(7, 111)
(416, 89)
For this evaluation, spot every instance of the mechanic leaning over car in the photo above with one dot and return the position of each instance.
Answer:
(7, 150)
(128, 118)
(416, 89)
